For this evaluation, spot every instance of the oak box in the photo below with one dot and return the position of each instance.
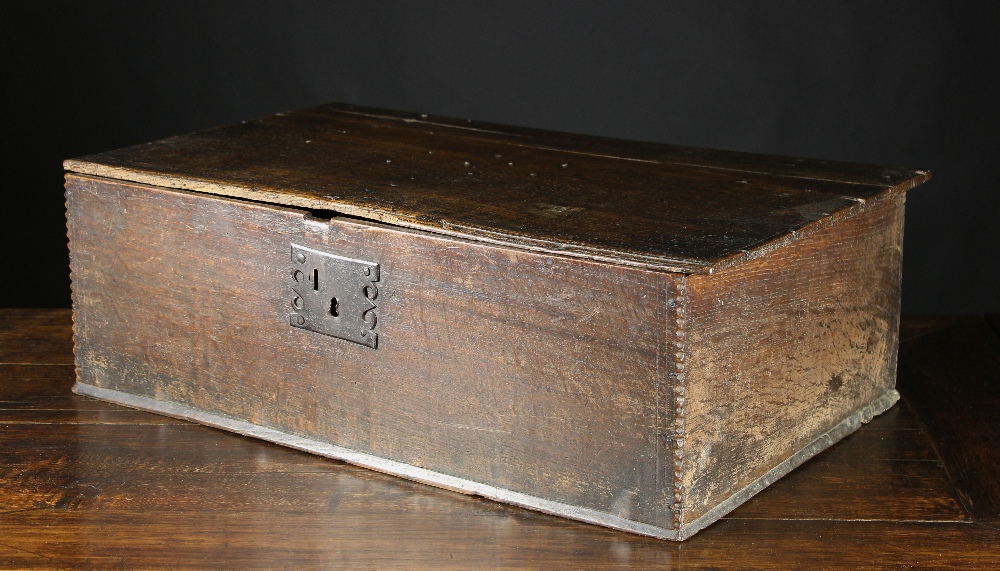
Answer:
(636, 335)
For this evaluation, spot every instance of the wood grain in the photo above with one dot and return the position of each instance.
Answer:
(539, 374)
(32, 394)
(686, 210)
(551, 376)
(148, 447)
(816, 491)
(36, 336)
(25, 382)
(958, 400)
(550, 321)
(889, 458)
(812, 169)
(143, 496)
(782, 348)
(382, 540)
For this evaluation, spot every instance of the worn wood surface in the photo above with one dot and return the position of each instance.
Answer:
(676, 208)
(551, 376)
(537, 374)
(777, 350)
(147, 492)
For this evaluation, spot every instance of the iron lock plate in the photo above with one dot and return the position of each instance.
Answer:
(334, 295)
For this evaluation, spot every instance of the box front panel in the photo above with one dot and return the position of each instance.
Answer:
(539, 374)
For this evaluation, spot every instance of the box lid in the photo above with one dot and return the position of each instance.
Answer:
(659, 206)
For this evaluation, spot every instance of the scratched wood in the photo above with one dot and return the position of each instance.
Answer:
(579, 399)
(526, 371)
(644, 331)
(147, 496)
(782, 348)
(688, 210)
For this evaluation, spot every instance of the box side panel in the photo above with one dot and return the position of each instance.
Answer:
(534, 373)
(784, 348)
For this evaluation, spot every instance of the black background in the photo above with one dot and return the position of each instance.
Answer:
(913, 84)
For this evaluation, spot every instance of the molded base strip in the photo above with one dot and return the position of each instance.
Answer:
(845, 427)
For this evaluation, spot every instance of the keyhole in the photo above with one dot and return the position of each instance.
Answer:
(334, 309)
(316, 279)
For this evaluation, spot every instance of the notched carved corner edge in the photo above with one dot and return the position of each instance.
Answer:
(679, 377)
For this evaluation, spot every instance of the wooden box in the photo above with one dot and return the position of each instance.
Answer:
(636, 335)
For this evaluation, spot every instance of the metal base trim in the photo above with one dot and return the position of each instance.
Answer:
(461, 485)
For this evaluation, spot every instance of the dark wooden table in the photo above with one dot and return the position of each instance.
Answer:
(84, 484)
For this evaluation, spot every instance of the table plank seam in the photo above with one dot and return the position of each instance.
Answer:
(956, 492)
(993, 320)
(29, 552)
(848, 520)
